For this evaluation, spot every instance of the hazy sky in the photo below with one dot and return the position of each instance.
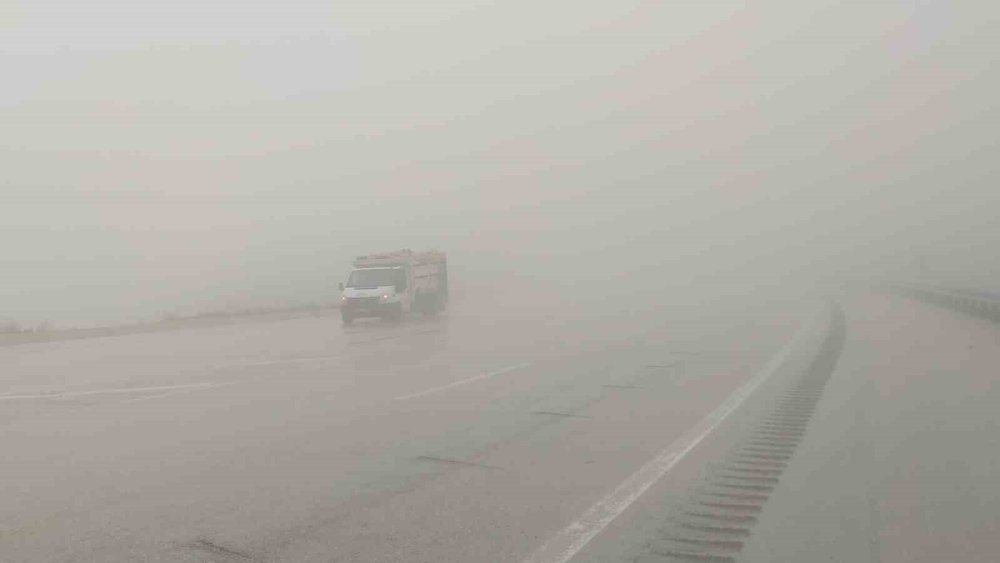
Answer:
(183, 155)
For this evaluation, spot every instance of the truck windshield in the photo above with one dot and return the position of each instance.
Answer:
(379, 277)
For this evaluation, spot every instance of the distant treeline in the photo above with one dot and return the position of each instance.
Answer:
(249, 312)
(13, 327)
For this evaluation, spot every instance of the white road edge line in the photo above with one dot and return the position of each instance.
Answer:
(563, 546)
(107, 391)
(463, 382)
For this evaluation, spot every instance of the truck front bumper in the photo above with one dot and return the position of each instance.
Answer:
(368, 307)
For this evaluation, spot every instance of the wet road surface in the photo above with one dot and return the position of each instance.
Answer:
(510, 436)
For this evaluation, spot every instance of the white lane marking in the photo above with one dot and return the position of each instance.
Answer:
(290, 361)
(191, 386)
(567, 543)
(179, 392)
(463, 381)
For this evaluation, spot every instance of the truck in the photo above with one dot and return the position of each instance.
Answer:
(392, 285)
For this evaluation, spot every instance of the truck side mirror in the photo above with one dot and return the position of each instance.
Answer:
(341, 284)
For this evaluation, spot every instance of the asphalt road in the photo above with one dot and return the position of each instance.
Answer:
(518, 433)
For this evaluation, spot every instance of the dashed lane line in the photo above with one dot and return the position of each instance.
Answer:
(461, 382)
(117, 390)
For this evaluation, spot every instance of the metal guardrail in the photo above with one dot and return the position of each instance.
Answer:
(977, 303)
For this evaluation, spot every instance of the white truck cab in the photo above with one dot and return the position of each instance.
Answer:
(392, 285)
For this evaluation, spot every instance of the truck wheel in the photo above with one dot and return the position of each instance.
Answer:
(432, 307)
(435, 304)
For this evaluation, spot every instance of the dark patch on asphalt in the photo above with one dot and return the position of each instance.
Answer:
(562, 414)
(455, 462)
(720, 513)
(204, 544)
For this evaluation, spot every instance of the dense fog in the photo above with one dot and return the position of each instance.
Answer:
(190, 155)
